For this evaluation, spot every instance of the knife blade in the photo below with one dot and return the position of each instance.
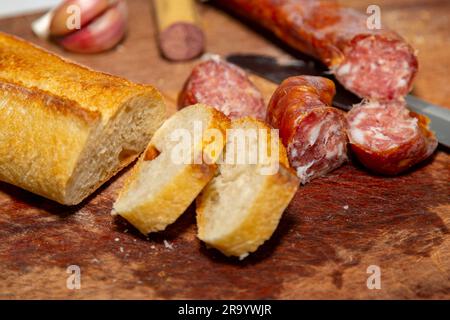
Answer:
(439, 117)
(276, 71)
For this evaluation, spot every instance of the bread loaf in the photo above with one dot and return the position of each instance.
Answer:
(65, 129)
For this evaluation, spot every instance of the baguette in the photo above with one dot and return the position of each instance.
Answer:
(66, 129)
(241, 207)
(159, 188)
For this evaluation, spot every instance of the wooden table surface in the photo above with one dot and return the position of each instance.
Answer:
(334, 229)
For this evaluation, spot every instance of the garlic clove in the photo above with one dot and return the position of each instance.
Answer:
(102, 34)
(41, 26)
(72, 15)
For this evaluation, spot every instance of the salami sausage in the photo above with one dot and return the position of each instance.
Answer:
(224, 86)
(387, 138)
(375, 64)
(312, 131)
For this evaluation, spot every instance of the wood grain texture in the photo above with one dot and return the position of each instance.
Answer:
(321, 249)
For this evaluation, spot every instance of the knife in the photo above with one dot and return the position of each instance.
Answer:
(276, 71)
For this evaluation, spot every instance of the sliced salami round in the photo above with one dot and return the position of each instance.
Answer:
(387, 138)
(312, 131)
(224, 86)
(377, 66)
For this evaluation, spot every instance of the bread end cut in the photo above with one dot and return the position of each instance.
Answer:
(66, 129)
(65, 152)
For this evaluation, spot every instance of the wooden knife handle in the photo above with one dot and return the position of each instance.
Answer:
(180, 35)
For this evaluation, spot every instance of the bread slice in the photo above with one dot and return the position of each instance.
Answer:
(241, 207)
(65, 129)
(160, 186)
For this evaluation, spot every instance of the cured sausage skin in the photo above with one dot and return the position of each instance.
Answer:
(387, 138)
(312, 131)
(224, 86)
(374, 64)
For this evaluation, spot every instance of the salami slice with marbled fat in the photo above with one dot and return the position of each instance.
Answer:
(224, 86)
(387, 138)
(372, 63)
(312, 131)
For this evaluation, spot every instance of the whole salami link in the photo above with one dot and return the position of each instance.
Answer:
(312, 131)
(225, 87)
(376, 64)
(387, 138)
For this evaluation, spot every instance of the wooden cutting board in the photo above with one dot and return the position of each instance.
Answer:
(334, 229)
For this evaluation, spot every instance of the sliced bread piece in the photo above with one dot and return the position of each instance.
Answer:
(241, 207)
(163, 183)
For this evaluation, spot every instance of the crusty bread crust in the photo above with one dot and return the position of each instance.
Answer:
(34, 67)
(66, 129)
(156, 213)
(260, 217)
(40, 139)
(156, 210)
(51, 102)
